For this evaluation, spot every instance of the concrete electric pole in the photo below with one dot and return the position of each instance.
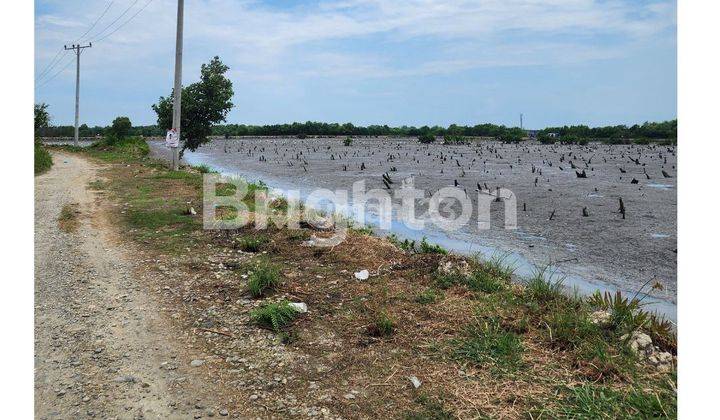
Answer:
(78, 49)
(178, 83)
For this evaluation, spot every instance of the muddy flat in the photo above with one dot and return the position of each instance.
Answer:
(599, 250)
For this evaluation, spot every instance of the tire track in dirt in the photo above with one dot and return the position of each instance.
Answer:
(103, 349)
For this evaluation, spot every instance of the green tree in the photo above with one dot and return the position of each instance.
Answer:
(204, 104)
(120, 128)
(42, 117)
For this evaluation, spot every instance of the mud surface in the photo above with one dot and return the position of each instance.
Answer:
(602, 250)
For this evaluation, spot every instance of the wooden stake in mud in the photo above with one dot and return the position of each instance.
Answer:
(622, 207)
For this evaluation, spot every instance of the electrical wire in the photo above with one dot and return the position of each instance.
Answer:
(55, 75)
(95, 23)
(114, 21)
(126, 22)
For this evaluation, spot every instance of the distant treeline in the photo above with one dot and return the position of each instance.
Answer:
(649, 130)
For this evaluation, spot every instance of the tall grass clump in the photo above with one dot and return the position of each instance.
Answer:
(488, 344)
(541, 288)
(264, 278)
(252, 243)
(43, 160)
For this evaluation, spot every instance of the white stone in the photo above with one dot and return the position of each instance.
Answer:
(362, 275)
(299, 307)
(415, 381)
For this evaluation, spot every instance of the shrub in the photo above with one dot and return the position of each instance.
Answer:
(426, 138)
(625, 314)
(348, 141)
(43, 160)
(275, 316)
(454, 139)
(263, 278)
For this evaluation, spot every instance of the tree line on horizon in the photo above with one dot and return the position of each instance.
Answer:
(650, 130)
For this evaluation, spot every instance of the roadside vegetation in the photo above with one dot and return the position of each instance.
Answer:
(481, 344)
(43, 160)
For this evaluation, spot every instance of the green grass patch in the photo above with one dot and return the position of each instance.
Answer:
(126, 149)
(601, 402)
(274, 316)
(428, 296)
(252, 243)
(43, 160)
(264, 278)
(430, 409)
(428, 248)
(381, 326)
(486, 343)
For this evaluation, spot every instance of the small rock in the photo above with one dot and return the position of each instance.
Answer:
(640, 343)
(299, 307)
(197, 362)
(415, 381)
(253, 397)
(223, 412)
(124, 378)
(362, 275)
(600, 317)
(349, 396)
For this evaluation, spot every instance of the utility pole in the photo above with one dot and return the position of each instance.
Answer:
(78, 49)
(521, 121)
(178, 83)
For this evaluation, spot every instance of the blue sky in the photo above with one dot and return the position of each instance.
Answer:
(392, 62)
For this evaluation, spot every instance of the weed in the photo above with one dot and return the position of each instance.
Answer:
(428, 248)
(68, 221)
(382, 326)
(264, 278)
(205, 169)
(483, 281)
(362, 230)
(446, 281)
(486, 342)
(498, 265)
(252, 243)
(405, 245)
(541, 288)
(43, 160)
(428, 296)
(431, 410)
(275, 316)
(600, 402)
(625, 313)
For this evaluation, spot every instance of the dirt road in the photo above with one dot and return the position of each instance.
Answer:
(103, 347)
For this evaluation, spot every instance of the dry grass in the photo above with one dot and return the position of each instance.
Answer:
(68, 219)
(334, 336)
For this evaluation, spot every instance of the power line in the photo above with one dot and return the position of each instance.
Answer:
(114, 21)
(50, 65)
(126, 22)
(56, 74)
(95, 23)
(57, 57)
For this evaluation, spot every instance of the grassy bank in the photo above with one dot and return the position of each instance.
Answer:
(480, 345)
(43, 160)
